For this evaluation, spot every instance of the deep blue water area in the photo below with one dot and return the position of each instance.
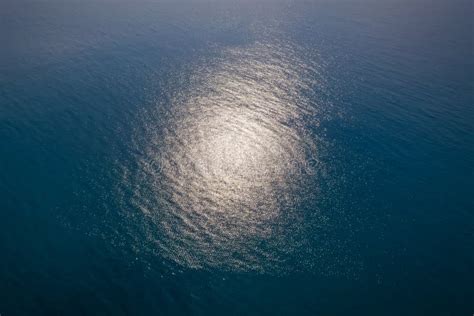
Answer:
(199, 157)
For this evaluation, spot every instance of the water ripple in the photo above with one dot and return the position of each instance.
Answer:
(232, 158)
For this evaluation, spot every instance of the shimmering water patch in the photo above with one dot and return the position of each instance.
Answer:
(223, 176)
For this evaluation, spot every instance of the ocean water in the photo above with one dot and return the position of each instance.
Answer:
(236, 157)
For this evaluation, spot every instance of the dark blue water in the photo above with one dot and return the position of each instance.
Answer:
(236, 157)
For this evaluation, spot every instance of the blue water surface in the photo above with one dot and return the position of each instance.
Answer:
(236, 157)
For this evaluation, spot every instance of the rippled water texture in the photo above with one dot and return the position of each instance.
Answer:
(240, 157)
(230, 160)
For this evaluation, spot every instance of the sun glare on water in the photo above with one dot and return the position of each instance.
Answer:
(233, 158)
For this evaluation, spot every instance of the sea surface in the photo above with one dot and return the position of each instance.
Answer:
(198, 157)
